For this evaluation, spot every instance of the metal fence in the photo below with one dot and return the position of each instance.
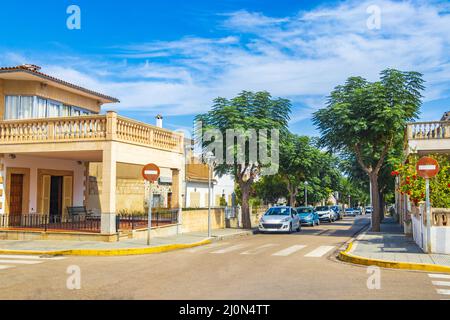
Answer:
(140, 221)
(84, 223)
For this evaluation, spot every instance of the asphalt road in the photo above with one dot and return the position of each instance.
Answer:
(264, 266)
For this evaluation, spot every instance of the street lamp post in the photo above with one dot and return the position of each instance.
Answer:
(210, 161)
(306, 193)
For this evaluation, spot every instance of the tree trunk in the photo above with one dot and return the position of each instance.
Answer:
(246, 221)
(382, 206)
(376, 212)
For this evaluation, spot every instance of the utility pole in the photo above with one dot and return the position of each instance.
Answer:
(306, 193)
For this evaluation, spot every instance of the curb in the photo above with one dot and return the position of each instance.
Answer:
(350, 258)
(127, 251)
(110, 252)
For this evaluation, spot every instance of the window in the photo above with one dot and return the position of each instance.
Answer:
(53, 109)
(28, 107)
(65, 111)
(41, 108)
(12, 106)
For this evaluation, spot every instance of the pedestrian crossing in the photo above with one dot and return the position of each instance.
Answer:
(12, 261)
(271, 249)
(441, 283)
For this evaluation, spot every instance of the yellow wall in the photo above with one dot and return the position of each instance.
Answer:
(2, 100)
(35, 88)
(197, 220)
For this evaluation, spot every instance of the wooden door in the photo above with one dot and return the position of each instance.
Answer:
(16, 195)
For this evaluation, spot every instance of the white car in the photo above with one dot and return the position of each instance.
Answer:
(326, 213)
(280, 219)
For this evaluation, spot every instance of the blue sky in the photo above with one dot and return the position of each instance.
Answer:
(174, 57)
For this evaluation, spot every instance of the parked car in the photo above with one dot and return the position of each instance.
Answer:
(350, 212)
(308, 216)
(368, 210)
(357, 211)
(326, 213)
(280, 219)
(339, 212)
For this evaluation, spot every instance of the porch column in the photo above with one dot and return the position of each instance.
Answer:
(108, 198)
(176, 188)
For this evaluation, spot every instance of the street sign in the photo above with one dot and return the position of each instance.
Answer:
(151, 172)
(427, 167)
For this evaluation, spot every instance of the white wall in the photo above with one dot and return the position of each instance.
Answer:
(224, 185)
(35, 163)
(440, 237)
(2, 197)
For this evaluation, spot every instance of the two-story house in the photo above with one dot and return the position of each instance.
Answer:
(51, 134)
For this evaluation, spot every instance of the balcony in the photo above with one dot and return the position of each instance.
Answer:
(93, 128)
(428, 137)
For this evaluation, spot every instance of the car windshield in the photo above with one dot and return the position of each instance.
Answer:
(349, 209)
(304, 210)
(325, 208)
(278, 212)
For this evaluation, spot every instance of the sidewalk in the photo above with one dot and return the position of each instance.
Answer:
(123, 247)
(392, 249)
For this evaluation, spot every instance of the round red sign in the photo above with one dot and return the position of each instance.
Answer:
(150, 172)
(427, 167)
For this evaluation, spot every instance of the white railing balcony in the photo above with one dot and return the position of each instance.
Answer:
(428, 130)
(89, 128)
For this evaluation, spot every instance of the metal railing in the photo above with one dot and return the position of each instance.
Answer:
(81, 223)
(140, 221)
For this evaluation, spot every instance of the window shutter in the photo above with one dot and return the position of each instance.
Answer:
(45, 198)
(67, 193)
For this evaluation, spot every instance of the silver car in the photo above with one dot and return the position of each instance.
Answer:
(280, 219)
(326, 213)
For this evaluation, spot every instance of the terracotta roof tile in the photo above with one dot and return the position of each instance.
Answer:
(33, 69)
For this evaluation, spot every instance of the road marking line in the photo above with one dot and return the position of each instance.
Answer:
(443, 291)
(288, 251)
(436, 275)
(229, 249)
(441, 283)
(25, 257)
(319, 252)
(5, 267)
(20, 261)
(259, 249)
(208, 246)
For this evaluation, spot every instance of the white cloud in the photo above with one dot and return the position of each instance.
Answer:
(301, 57)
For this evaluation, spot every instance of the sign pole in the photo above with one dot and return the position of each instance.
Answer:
(150, 173)
(150, 200)
(428, 213)
(427, 168)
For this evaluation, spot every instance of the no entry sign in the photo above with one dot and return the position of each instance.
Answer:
(427, 167)
(150, 172)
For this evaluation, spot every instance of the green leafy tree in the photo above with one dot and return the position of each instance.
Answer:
(270, 188)
(297, 161)
(247, 111)
(364, 118)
